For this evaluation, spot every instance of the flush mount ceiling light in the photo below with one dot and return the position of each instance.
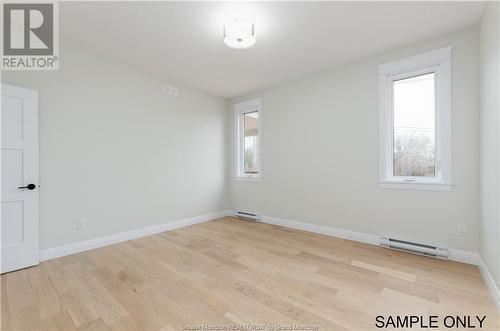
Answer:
(239, 34)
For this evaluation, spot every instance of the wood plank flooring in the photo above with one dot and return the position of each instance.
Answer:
(230, 272)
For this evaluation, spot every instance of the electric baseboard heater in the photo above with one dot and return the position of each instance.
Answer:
(413, 247)
(247, 216)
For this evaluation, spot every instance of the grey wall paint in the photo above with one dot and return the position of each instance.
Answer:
(116, 151)
(320, 153)
(140, 158)
(490, 139)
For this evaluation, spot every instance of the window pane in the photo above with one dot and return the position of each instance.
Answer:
(414, 126)
(251, 132)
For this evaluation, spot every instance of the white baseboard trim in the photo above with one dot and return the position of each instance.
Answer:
(490, 282)
(81, 246)
(321, 229)
(454, 254)
(458, 255)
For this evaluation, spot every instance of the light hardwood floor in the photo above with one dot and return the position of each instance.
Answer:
(227, 272)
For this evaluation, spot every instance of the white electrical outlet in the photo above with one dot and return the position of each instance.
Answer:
(81, 224)
(461, 230)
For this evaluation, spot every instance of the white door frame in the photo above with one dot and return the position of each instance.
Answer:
(25, 253)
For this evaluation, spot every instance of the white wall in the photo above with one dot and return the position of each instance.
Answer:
(320, 153)
(116, 151)
(490, 139)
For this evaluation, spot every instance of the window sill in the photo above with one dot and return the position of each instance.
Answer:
(249, 178)
(416, 185)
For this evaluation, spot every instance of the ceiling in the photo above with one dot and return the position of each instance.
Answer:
(182, 41)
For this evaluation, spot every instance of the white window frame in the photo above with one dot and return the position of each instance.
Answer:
(439, 63)
(240, 109)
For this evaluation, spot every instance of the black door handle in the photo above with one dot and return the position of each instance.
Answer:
(29, 187)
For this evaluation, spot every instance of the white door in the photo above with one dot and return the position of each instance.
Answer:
(19, 179)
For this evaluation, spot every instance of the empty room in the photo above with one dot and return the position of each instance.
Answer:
(250, 165)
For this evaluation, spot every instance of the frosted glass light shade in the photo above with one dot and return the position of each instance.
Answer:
(239, 34)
